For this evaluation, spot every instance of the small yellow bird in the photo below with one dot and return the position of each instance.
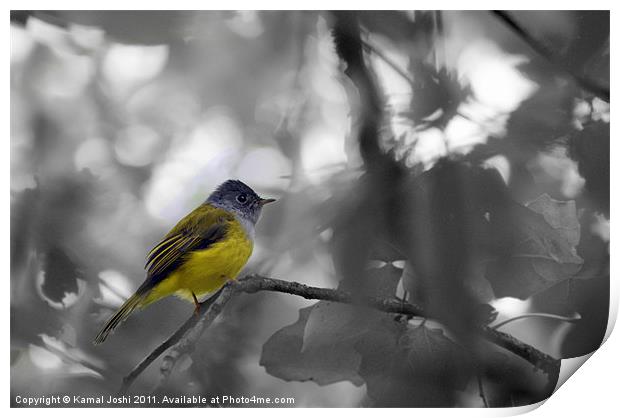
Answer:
(201, 253)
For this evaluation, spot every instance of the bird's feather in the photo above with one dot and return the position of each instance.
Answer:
(199, 230)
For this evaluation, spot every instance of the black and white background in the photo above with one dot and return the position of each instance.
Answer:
(455, 160)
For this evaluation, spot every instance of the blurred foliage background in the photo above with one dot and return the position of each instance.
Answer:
(122, 122)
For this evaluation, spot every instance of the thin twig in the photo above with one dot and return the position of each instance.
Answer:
(172, 340)
(65, 355)
(538, 47)
(212, 309)
(481, 390)
(571, 319)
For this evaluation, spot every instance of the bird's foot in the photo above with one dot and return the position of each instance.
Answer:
(196, 305)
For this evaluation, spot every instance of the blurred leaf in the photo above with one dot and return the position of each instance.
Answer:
(397, 25)
(216, 364)
(283, 357)
(591, 299)
(574, 36)
(586, 293)
(146, 27)
(588, 44)
(562, 216)
(538, 255)
(431, 349)
(486, 314)
(543, 118)
(23, 208)
(332, 324)
(60, 276)
(320, 345)
(590, 148)
(383, 249)
(20, 17)
(447, 230)
(592, 248)
(75, 359)
(389, 382)
(597, 68)
(437, 94)
(16, 354)
(408, 366)
(377, 282)
(384, 280)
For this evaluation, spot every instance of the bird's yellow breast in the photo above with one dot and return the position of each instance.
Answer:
(205, 271)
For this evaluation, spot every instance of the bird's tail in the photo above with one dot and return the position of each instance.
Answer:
(124, 311)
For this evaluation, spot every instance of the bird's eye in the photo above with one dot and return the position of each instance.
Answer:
(242, 198)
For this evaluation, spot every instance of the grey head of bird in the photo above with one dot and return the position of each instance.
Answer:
(239, 198)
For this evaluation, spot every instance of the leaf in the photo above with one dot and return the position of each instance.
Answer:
(586, 293)
(542, 119)
(382, 249)
(382, 282)
(379, 282)
(575, 37)
(16, 354)
(320, 345)
(437, 94)
(334, 325)
(282, 357)
(406, 366)
(590, 32)
(561, 215)
(401, 366)
(415, 33)
(60, 276)
(434, 355)
(597, 68)
(538, 248)
(388, 383)
(447, 232)
(590, 148)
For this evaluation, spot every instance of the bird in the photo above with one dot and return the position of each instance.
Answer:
(203, 251)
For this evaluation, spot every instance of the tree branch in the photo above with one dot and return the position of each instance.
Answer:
(207, 306)
(256, 283)
(537, 358)
(211, 308)
(348, 42)
(585, 83)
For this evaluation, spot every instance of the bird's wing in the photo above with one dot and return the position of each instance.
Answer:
(199, 230)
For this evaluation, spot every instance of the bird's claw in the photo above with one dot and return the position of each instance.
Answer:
(196, 304)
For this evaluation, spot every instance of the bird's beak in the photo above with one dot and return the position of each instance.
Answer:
(263, 202)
